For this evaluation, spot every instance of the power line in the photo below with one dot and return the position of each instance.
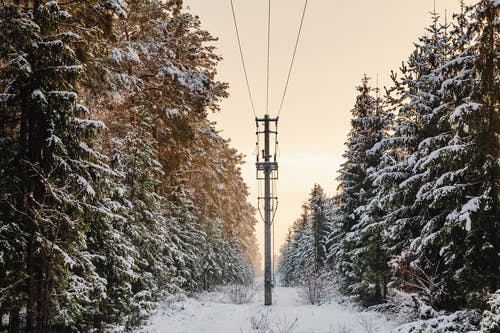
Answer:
(293, 57)
(268, 52)
(243, 59)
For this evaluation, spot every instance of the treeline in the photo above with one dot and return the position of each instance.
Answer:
(417, 207)
(115, 188)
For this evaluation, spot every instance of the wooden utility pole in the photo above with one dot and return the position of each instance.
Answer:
(270, 171)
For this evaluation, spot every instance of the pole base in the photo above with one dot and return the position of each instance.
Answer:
(268, 297)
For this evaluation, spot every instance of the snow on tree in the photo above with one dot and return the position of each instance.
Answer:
(462, 190)
(53, 172)
(419, 188)
(319, 210)
(413, 98)
(304, 253)
(357, 251)
(110, 224)
(297, 254)
(491, 317)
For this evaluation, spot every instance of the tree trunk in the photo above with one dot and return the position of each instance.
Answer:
(14, 319)
(31, 289)
(45, 292)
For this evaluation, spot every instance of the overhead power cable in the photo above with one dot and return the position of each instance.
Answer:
(243, 59)
(293, 57)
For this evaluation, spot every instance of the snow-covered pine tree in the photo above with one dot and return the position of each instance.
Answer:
(102, 240)
(286, 264)
(214, 180)
(415, 101)
(462, 190)
(297, 258)
(146, 224)
(167, 70)
(357, 252)
(54, 172)
(412, 99)
(319, 213)
(304, 253)
(371, 250)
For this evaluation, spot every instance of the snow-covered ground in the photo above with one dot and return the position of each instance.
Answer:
(214, 313)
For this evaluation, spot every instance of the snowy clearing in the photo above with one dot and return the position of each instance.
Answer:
(214, 313)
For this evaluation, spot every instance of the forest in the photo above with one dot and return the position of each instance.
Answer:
(119, 195)
(116, 190)
(416, 212)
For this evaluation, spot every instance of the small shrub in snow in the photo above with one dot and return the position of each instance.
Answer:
(259, 322)
(316, 287)
(240, 293)
(285, 325)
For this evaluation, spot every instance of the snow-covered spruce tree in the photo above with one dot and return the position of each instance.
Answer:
(303, 256)
(146, 225)
(186, 239)
(357, 251)
(433, 132)
(415, 100)
(462, 189)
(13, 237)
(166, 69)
(53, 173)
(297, 257)
(371, 251)
(223, 261)
(149, 73)
(479, 207)
(214, 181)
(286, 264)
(319, 214)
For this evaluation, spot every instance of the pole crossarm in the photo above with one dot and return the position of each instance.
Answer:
(267, 118)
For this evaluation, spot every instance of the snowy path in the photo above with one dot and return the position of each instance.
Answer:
(213, 313)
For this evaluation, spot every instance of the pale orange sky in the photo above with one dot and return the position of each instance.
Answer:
(340, 41)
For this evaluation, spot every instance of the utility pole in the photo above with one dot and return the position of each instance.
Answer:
(267, 171)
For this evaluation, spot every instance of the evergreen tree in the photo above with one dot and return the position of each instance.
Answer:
(297, 258)
(462, 190)
(415, 99)
(53, 172)
(304, 253)
(146, 225)
(286, 264)
(87, 241)
(318, 207)
(358, 254)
